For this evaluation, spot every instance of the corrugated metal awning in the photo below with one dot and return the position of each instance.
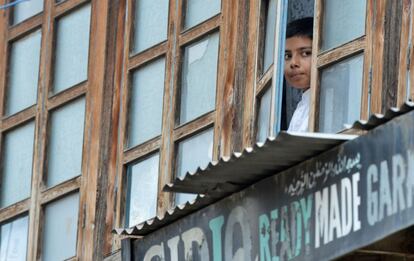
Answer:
(232, 174)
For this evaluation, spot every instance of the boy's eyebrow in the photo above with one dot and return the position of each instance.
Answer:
(304, 48)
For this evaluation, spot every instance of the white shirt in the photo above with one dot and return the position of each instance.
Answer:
(300, 118)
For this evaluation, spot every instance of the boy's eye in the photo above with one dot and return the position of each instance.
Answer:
(287, 56)
(306, 53)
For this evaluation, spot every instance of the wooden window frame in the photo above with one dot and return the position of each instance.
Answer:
(171, 132)
(368, 44)
(261, 80)
(46, 102)
(406, 69)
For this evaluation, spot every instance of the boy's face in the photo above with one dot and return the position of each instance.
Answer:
(298, 57)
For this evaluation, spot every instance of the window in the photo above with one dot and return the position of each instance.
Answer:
(340, 72)
(150, 24)
(192, 153)
(142, 183)
(198, 78)
(60, 218)
(72, 46)
(26, 10)
(13, 239)
(171, 60)
(44, 97)
(269, 72)
(269, 34)
(147, 94)
(340, 94)
(197, 11)
(24, 60)
(65, 142)
(263, 117)
(16, 178)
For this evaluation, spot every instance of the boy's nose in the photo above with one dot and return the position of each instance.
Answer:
(294, 62)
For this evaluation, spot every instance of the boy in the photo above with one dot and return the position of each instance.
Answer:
(298, 57)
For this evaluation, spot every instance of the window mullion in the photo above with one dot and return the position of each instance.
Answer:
(3, 61)
(35, 222)
(125, 92)
(377, 49)
(169, 112)
(316, 43)
(223, 124)
(254, 77)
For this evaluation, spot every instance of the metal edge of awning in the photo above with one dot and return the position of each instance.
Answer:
(169, 216)
(379, 119)
(221, 190)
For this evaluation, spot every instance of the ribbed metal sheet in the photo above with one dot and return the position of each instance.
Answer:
(233, 173)
(378, 119)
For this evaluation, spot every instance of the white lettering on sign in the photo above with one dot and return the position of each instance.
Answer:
(390, 190)
(334, 216)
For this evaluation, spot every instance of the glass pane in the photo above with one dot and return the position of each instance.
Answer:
(26, 9)
(150, 24)
(65, 142)
(16, 178)
(146, 99)
(343, 21)
(13, 239)
(341, 94)
(198, 11)
(198, 90)
(60, 228)
(24, 72)
(263, 117)
(269, 44)
(192, 153)
(142, 190)
(72, 49)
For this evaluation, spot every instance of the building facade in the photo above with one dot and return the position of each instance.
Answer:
(105, 102)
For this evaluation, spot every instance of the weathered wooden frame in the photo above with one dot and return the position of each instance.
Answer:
(171, 133)
(322, 59)
(40, 195)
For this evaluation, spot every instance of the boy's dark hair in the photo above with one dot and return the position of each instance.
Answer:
(300, 27)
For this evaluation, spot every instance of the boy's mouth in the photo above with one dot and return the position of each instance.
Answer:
(297, 75)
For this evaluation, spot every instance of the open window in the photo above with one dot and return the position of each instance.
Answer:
(291, 96)
(275, 100)
(269, 68)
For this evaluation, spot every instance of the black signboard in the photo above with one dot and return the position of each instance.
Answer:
(342, 200)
